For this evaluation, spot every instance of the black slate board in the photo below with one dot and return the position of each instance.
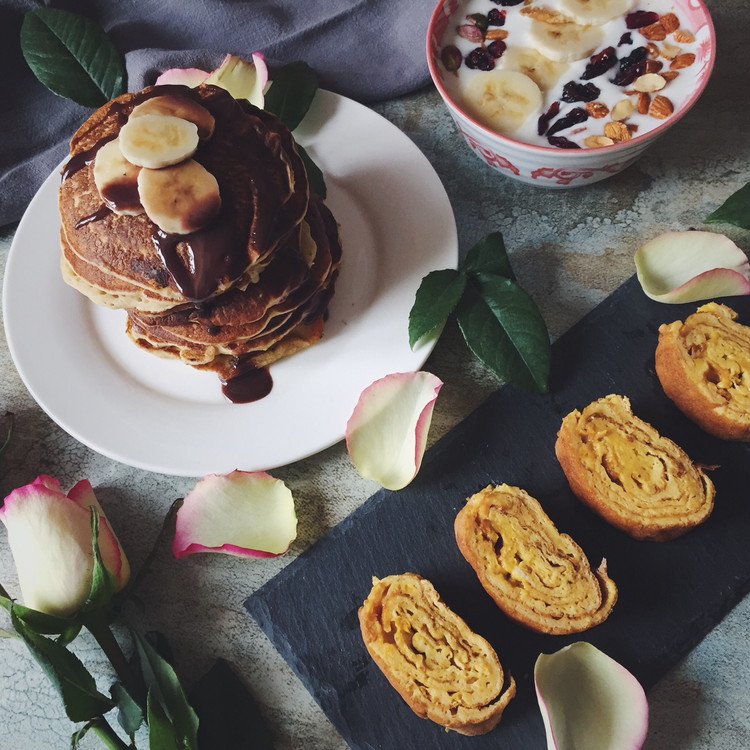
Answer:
(670, 593)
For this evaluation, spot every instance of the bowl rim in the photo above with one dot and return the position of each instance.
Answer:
(432, 48)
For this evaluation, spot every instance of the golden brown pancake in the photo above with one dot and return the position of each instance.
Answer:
(125, 261)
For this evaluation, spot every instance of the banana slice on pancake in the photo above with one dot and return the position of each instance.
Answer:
(155, 141)
(116, 179)
(179, 199)
(178, 106)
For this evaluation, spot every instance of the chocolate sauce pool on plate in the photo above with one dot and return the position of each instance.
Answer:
(246, 387)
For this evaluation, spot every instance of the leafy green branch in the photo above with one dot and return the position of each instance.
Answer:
(735, 209)
(499, 321)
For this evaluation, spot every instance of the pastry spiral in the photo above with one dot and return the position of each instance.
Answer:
(443, 670)
(633, 477)
(536, 575)
(703, 365)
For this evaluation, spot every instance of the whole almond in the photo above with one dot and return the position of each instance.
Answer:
(669, 75)
(643, 102)
(492, 34)
(685, 60)
(670, 22)
(655, 32)
(661, 107)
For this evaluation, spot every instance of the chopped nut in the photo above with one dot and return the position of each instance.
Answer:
(684, 36)
(654, 66)
(661, 107)
(546, 15)
(623, 109)
(669, 75)
(649, 82)
(471, 32)
(655, 32)
(597, 109)
(597, 141)
(670, 51)
(492, 34)
(685, 60)
(653, 50)
(617, 131)
(670, 22)
(643, 102)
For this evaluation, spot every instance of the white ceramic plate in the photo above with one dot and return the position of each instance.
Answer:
(77, 362)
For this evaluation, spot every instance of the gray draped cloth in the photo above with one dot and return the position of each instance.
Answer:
(368, 50)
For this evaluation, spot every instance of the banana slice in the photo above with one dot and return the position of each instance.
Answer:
(544, 72)
(179, 199)
(565, 42)
(594, 12)
(116, 179)
(178, 106)
(155, 141)
(502, 99)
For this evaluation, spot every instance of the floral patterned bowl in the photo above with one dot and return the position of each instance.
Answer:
(550, 166)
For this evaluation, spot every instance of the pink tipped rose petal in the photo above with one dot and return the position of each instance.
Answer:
(386, 434)
(690, 266)
(589, 701)
(243, 80)
(49, 534)
(249, 514)
(191, 77)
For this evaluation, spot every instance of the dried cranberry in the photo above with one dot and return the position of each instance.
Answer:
(631, 67)
(479, 59)
(543, 122)
(580, 92)
(626, 38)
(507, 3)
(496, 17)
(451, 57)
(561, 142)
(600, 63)
(640, 18)
(496, 48)
(574, 117)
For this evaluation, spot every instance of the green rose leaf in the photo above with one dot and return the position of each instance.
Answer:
(291, 93)
(167, 704)
(162, 734)
(229, 716)
(74, 683)
(436, 298)
(505, 330)
(735, 209)
(72, 56)
(489, 256)
(129, 713)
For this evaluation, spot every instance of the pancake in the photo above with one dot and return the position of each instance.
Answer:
(126, 261)
(274, 317)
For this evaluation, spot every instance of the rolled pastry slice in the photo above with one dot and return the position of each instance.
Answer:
(633, 477)
(536, 575)
(703, 365)
(443, 670)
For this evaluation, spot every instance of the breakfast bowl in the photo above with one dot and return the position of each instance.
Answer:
(564, 93)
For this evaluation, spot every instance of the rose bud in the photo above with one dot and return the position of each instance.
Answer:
(50, 537)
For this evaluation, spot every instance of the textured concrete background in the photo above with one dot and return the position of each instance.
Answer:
(569, 249)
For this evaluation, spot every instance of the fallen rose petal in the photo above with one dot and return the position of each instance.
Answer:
(588, 700)
(691, 266)
(387, 431)
(243, 80)
(49, 534)
(191, 77)
(249, 514)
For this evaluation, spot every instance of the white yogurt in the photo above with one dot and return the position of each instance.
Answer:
(518, 26)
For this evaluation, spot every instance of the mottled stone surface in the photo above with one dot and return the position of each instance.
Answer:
(570, 249)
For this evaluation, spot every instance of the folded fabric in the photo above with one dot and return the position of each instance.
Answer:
(368, 50)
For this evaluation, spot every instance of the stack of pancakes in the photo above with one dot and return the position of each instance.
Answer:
(247, 281)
